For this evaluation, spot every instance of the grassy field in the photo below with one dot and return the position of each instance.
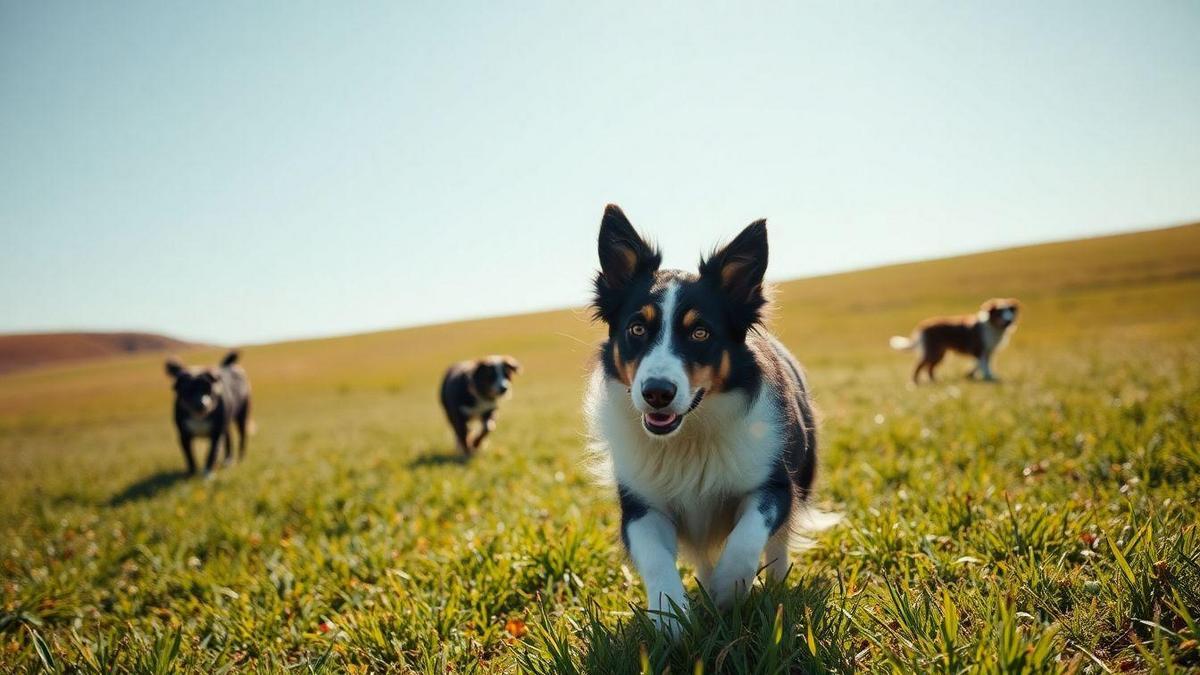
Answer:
(1046, 523)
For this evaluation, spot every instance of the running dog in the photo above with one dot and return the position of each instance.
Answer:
(704, 416)
(207, 402)
(472, 390)
(978, 335)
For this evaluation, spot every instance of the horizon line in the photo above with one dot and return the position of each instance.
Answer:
(204, 344)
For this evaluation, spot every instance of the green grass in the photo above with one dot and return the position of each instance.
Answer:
(1044, 524)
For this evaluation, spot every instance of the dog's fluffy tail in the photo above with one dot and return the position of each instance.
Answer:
(230, 358)
(902, 344)
(809, 521)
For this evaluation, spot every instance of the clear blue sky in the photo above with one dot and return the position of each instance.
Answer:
(242, 172)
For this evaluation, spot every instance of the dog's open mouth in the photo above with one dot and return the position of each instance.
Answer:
(663, 423)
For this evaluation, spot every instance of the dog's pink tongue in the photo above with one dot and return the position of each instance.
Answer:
(660, 419)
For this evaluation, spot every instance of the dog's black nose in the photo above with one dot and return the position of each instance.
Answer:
(658, 392)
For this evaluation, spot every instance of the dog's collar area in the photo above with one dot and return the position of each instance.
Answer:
(696, 401)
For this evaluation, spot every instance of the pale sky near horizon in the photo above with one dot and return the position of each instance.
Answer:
(247, 172)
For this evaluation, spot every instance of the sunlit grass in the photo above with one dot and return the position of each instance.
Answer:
(1039, 525)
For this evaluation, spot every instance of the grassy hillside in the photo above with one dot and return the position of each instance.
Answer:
(29, 350)
(1047, 523)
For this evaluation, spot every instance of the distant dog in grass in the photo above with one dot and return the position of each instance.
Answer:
(208, 401)
(705, 416)
(978, 335)
(471, 391)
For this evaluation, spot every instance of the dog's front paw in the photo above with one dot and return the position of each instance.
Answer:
(729, 587)
(666, 613)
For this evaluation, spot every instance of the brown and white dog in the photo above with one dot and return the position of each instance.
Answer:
(978, 335)
(471, 391)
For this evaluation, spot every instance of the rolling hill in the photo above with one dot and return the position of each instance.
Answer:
(24, 351)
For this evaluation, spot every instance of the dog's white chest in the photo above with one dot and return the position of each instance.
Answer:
(725, 450)
(481, 406)
(198, 427)
(993, 338)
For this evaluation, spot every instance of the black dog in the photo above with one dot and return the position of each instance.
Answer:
(471, 390)
(207, 401)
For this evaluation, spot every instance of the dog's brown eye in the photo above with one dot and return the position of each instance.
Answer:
(700, 334)
(637, 329)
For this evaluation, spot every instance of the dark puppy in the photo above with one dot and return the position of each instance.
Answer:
(471, 390)
(704, 416)
(978, 335)
(207, 402)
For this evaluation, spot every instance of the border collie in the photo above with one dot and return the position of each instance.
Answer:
(978, 335)
(207, 402)
(704, 416)
(471, 391)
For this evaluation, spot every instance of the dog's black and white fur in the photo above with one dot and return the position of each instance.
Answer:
(207, 402)
(705, 416)
(471, 391)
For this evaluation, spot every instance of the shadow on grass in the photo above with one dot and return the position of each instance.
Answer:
(768, 632)
(438, 459)
(147, 487)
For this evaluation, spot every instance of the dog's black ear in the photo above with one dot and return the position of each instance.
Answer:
(174, 367)
(624, 257)
(230, 358)
(511, 366)
(737, 270)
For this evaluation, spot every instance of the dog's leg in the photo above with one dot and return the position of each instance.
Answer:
(929, 369)
(488, 425)
(986, 367)
(762, 513)
(652, 543)
(185, 442)
(739, 562)
(214, 447)
(242, 418)
(932, 358)
(459, 424)
(776, 556)
(227, 437)
(916, 376)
